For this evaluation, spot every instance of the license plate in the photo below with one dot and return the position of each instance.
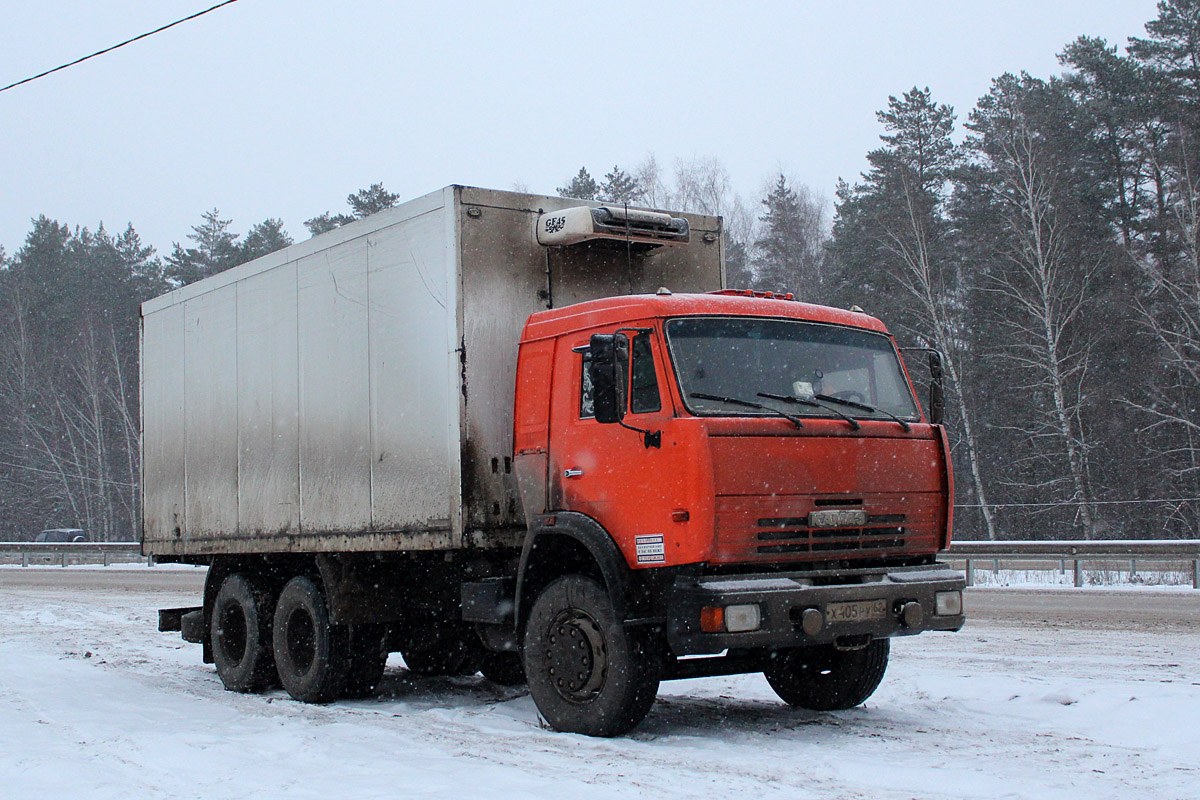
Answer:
(857, 611)
(837, 518)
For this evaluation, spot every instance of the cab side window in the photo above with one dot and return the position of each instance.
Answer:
(643, 395)
(587, 406)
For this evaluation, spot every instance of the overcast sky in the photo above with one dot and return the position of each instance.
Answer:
(280, 108)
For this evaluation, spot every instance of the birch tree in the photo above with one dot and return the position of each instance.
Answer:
(1047, 263)
(891, 233)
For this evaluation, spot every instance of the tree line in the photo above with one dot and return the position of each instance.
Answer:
(1049, 248)
(69, 300)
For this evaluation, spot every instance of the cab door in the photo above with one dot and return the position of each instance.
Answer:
(607, 471)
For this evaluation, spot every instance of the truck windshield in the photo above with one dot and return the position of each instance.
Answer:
(747, 358)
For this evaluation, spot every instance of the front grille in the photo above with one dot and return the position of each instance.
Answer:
(802, 539)
(775, 529)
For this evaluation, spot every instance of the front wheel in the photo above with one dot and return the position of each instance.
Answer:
(587, 672)
(823, 678)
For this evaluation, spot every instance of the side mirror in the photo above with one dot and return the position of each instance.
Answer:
(937, 391)
(607, 369)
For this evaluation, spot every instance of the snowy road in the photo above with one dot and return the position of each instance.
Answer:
(94, 703)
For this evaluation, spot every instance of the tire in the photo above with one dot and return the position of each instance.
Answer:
(827, 679)
(441, 647)
(368, 657)
(505, 669)
(241, 635)
(572, 626)
(312, 655)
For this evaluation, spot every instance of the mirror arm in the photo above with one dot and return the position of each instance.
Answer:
(649, 438)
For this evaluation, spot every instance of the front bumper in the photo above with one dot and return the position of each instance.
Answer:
(784, 598)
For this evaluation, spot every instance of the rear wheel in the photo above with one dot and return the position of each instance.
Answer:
(824, 678)
(311, 654)
(241, 635)
(587, 672)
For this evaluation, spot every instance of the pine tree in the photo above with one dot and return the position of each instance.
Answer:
(1173, 47)
(790, 246)
(363, 203)
(216, 250)
(581, 187)
(265, 237)
(371, 200)
(325, 222)
(619, 187)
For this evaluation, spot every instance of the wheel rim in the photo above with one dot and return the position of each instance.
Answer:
(301, 640)
(231, 633)
(577, 656)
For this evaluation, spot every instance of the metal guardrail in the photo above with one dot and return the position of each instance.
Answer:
(1081, 552)
(1078, 552)
(103, 551)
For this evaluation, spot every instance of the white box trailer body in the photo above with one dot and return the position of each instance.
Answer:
(354, 392)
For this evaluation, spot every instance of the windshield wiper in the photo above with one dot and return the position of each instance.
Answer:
(864, 407)
(737, 401)
(804, 402)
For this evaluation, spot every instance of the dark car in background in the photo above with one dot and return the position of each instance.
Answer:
(63, 535)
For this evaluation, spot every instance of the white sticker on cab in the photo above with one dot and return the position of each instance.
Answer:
(650, 549)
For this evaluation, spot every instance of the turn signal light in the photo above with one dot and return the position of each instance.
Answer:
(712, 619)
(732, 619)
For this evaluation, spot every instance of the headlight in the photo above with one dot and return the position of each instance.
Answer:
(949, 604)
(742, 618)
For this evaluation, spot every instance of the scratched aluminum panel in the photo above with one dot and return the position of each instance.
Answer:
(162, 425)
(506, 276)
(503, 270)
(268, 404)
(210, 381)
(335, 431)
(414, 374)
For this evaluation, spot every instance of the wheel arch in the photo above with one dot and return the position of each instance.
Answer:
(565, 543)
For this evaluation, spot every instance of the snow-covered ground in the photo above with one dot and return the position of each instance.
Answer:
(1117, 578)
(94, 703)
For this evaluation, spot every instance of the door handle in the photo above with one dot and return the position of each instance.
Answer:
(572, 473)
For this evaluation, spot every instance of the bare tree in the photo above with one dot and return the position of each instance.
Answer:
(703, 186)
(1171, 315)
(1045, 278)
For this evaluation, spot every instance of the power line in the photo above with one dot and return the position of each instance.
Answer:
(115, 46)
(1077, 503)
(67, 475)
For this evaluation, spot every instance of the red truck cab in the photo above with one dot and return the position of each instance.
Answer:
(741, 475)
